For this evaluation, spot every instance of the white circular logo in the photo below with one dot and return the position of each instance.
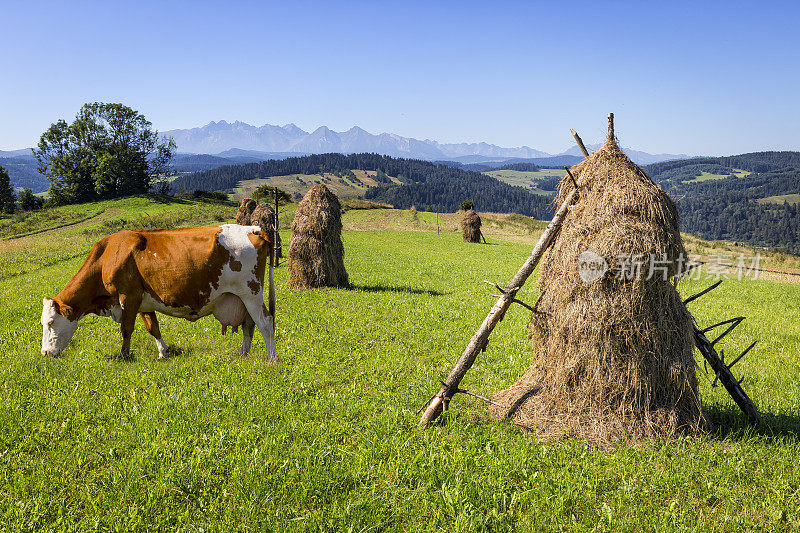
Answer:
(591, 266)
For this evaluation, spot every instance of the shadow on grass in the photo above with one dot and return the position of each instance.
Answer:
(728, 422)
(175, 351)
(394, 288)
(521, 401)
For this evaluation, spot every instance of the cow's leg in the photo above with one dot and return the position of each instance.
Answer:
(151, 325)
(255, 306)
(130, 307)
(248, 327)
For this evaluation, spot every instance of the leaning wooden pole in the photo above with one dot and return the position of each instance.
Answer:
(275, 235)
(440, 401)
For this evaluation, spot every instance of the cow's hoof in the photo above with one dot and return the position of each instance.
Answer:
(124, 356)
(163, 355)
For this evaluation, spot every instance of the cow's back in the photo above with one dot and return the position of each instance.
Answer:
(186, 267)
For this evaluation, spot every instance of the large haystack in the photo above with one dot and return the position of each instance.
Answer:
(316, 253)
(612, 357)
(471, 226)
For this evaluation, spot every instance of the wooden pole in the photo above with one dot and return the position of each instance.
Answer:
(580, 143)
(440, 401)
(723, 372)
(275, 235)
(611, 125)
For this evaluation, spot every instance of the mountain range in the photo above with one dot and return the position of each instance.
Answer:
(219, 137)
(233, 143)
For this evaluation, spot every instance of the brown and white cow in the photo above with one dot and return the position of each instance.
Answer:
(187, 273)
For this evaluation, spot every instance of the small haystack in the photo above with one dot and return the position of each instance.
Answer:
(612, 351)
(252, 214)
(471, 226)
(264, 215)
(316, 253)
(246, 208)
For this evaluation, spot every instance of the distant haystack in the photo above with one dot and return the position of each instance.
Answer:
(246, 208)
(612, 349)
(316, 253)
(471, 226)
(252, 214)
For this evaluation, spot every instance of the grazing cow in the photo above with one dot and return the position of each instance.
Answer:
(187, 273)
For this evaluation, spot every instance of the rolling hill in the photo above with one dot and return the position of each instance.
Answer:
(718, 198)
(398, 182)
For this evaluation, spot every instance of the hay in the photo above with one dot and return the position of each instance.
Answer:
(612, 358)
(316, 253)
(471, 226)
(261, 214)
(246, 208)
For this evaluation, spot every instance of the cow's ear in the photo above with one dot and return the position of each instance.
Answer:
(65, 311)
(54, 303)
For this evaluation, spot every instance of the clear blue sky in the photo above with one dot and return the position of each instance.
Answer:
(681, 77)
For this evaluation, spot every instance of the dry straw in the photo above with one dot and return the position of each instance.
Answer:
(612, 358)
(252, 214)
(246, 208)
(471, 226)
(316, 253)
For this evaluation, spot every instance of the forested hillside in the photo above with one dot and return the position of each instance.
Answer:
(737, 198)
(423, 184)
(23, 172)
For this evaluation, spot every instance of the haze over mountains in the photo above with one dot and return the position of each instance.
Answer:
(218, 137)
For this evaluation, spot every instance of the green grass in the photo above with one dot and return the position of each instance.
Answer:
(298, 184)
(706, 176)
(527, 179)
(327, 439)
(30, 222)
(790, 198)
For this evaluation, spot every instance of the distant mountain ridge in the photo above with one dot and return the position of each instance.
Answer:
(219, 137)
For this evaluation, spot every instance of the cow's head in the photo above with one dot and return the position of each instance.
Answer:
(58, 326)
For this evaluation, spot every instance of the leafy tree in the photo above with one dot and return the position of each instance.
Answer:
(109, 151)
(267, 193)
(7, 196)
(29, 201)
(466, 205)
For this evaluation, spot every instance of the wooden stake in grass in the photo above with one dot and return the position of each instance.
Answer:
(440, 401)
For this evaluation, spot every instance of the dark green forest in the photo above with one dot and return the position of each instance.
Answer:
(718, 209)
(424, 184)
(728, 208)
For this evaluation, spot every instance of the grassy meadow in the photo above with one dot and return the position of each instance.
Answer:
(207, 440)
(790, 198)
(707, 176)
(298, 184)
(528, 179)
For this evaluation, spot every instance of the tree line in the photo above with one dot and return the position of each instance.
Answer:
(423, 183)
(10, 202)
(728, 208)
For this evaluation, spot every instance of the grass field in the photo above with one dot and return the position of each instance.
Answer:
(298, 184)
(327, 439)
(706, 176)
(790, 198)
(527, 179)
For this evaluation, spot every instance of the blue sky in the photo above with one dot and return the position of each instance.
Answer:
(681, 77)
